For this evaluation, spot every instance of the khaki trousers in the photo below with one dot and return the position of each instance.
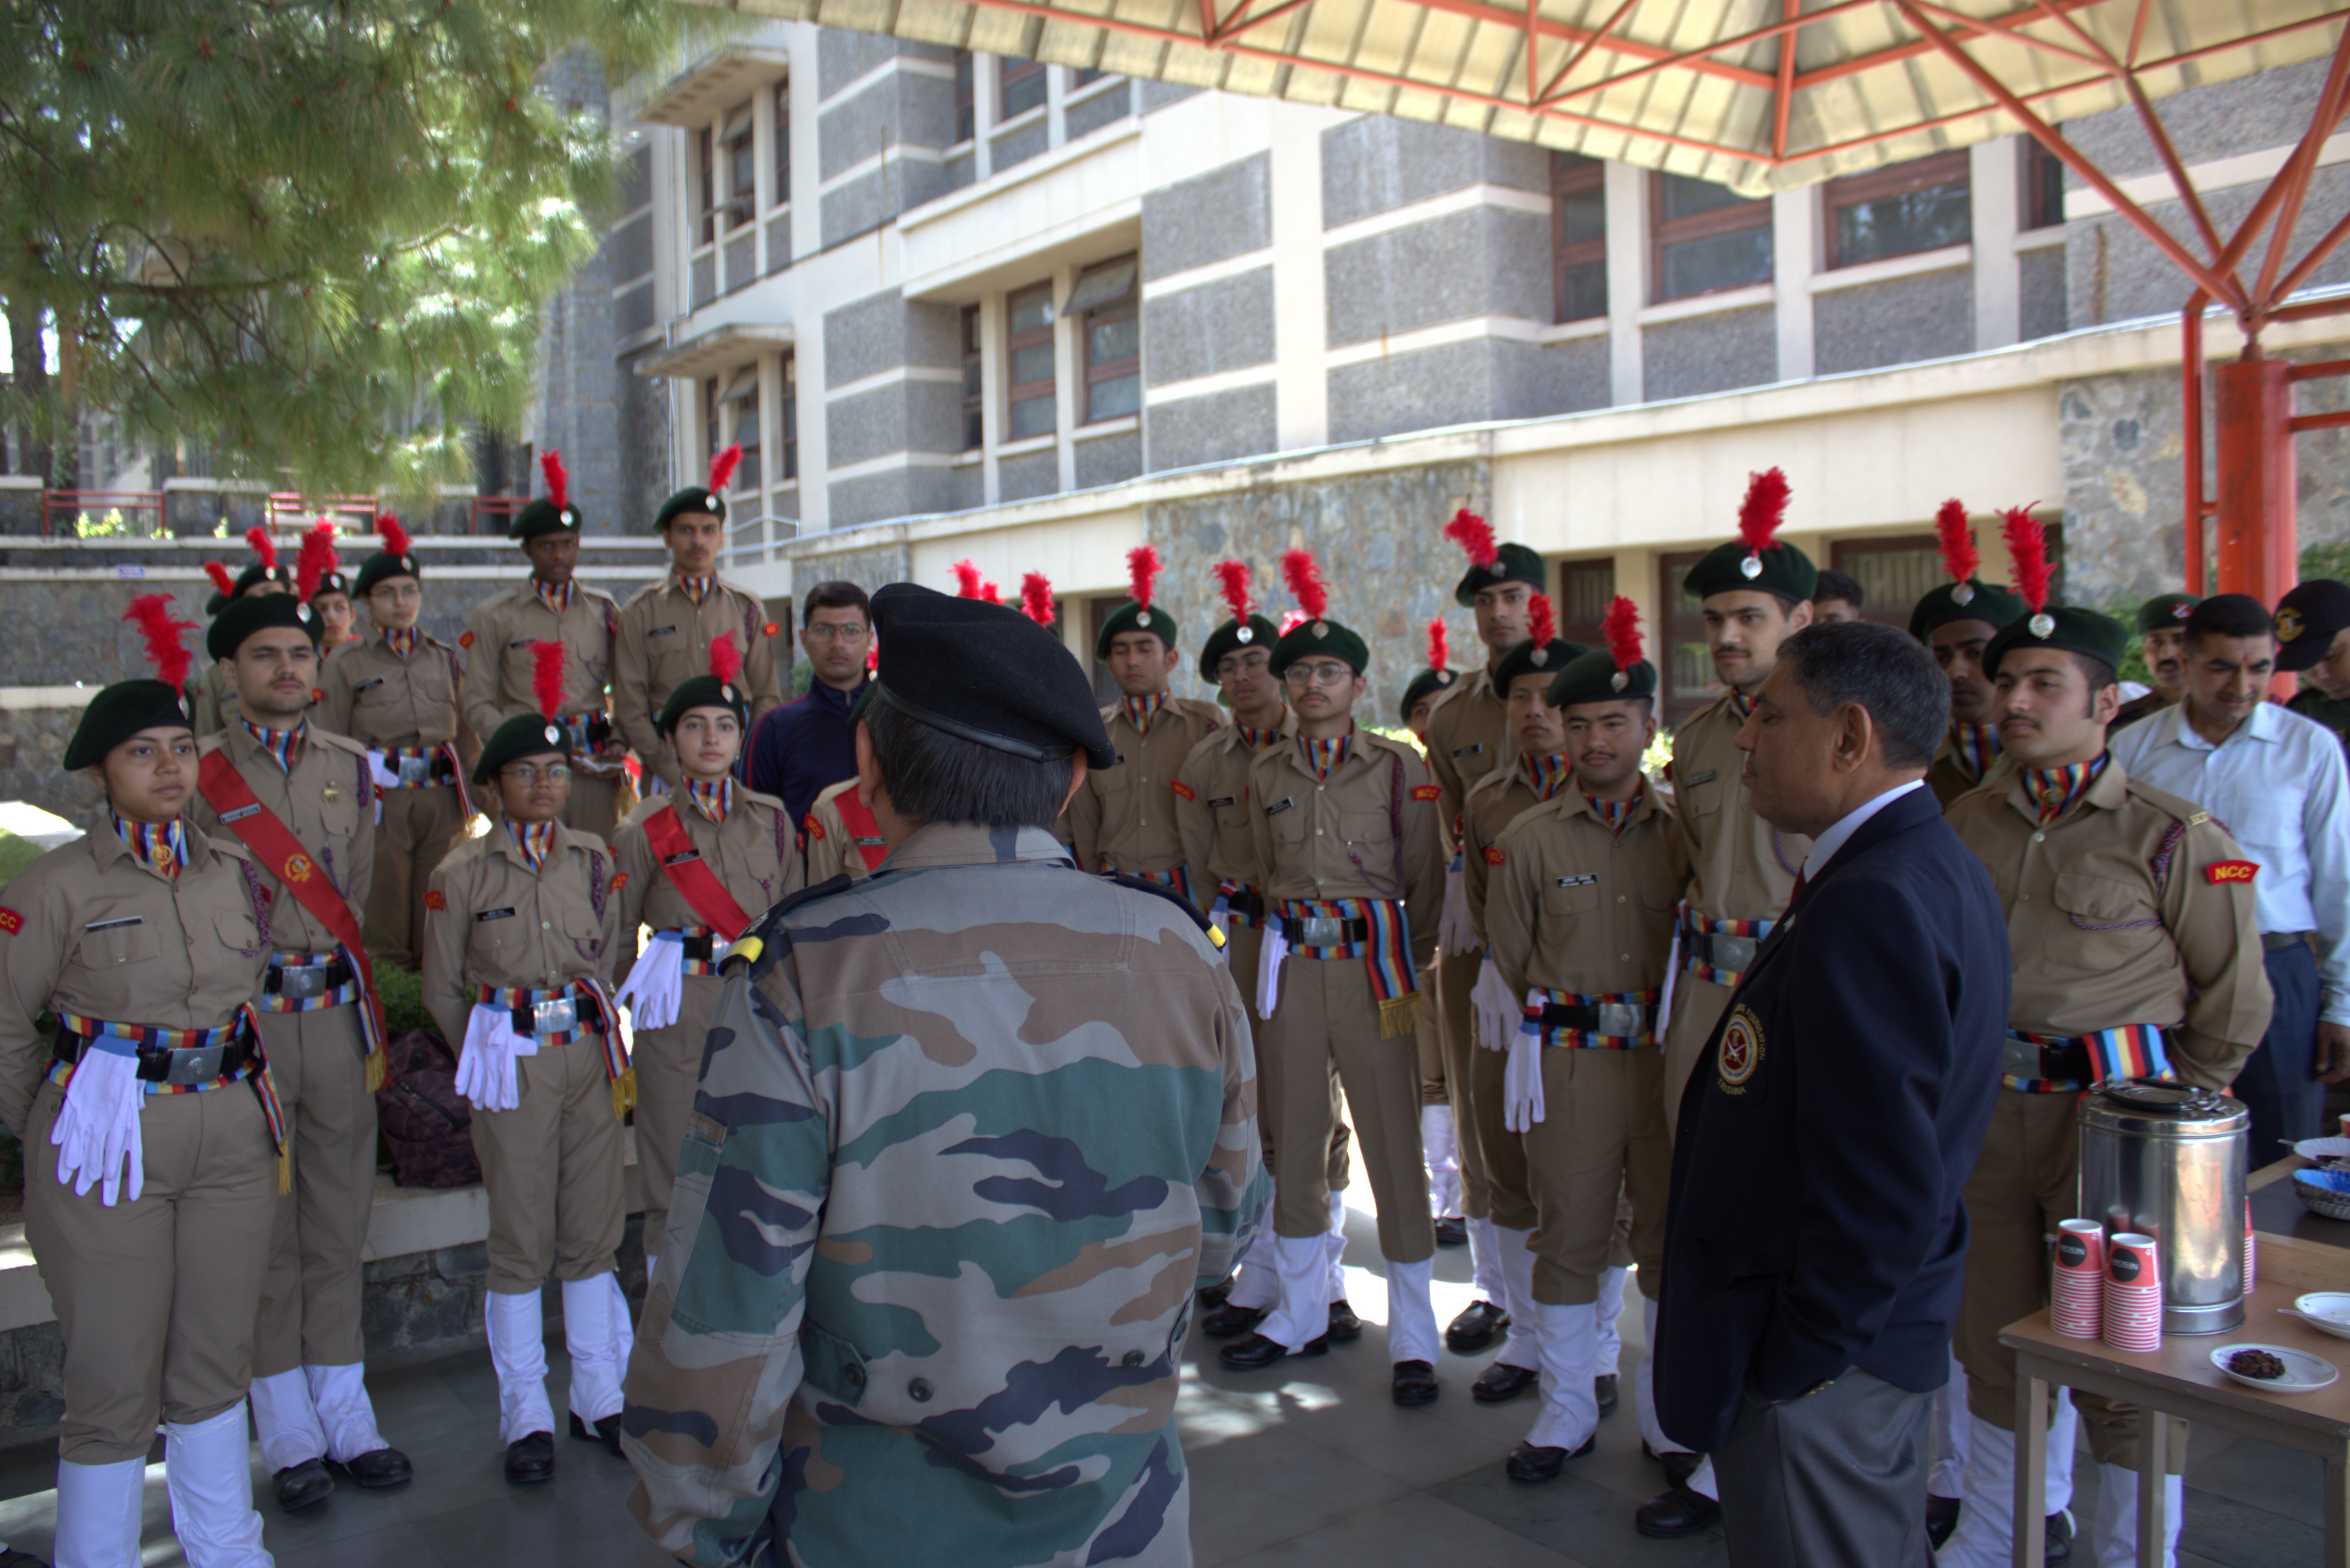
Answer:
(1243, 947)
(669, 1069)
(2025, 1185)
(552, 1166)
(310, 1298)
(417, 828)
(1601, 1142)
(1698, 1006)
(1325, 1015)
(1432, 1088)
(155, 1299)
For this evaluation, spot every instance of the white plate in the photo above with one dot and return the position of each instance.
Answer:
(2303, 1373)
(2328, 1311)
(2316, 1148)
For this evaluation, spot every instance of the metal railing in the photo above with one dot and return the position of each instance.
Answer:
(102, 513)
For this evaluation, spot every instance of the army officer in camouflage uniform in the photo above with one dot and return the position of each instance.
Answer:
(968, 1135)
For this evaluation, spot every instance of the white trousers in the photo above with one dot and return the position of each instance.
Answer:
(1570, 1359)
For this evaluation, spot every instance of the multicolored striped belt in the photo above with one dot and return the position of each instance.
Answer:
(2070, 1064)
(598, 1013)
(419, 767)
(1178, 877)
(1377, 930)
(306, 983)
(705, 950)
(1598, 1021)
(1243, 904)
(1720, 950)
(177, 1061)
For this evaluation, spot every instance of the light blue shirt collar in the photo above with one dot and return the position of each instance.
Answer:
(1824, 846)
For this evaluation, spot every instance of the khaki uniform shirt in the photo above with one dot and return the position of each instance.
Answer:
(1949, 780)
(379, 700)
(327, 802)
(664, 641)
(1576, 906)
(1494, 802)
(498, 658)
(2104, 938)
(1335, 838)
(830, 849)
(1468, 737)
(1740, 867)
(2139, 708)
(490, 920)
(1212, 810)
(1122, 817)
(747, 853)
(88, 928)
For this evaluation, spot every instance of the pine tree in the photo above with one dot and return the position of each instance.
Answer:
(311, 235)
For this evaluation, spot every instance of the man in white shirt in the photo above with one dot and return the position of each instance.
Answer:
(2276, 782)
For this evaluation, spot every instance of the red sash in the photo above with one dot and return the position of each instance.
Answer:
(863, 831)
(704, 894)
(274, 845)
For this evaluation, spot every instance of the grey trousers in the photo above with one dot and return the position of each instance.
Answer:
(1834, 1481)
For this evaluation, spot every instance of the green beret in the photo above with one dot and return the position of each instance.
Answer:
(1258, 633)
(1781, 569)
(1530, 657)
(1516, 564)
(242, 617)
(384, 564)
(1990, 603)
(332, 582)
(1132, 617)
(543, 516)
(1594, 678)
(702, 691)
(254, 575)
(1311, 636)
(2307, 620)
(693, 498)
(2066, 626)
(523, 735)
(1426, 681)
(2165, 612)
(119, 712)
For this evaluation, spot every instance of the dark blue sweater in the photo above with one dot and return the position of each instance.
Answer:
(803, 746)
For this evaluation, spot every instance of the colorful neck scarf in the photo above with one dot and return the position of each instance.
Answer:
(2055, 790)
(715, 799)
(1544, 774)
(1323, 756)
(160, 845)
(1257, 740)
(401, 640)
(555, 596)
(279, 743)
(1614, 813)
(534, 839)
(697, 588)
(1140, 710)
(1742, 702)
(1973, 746)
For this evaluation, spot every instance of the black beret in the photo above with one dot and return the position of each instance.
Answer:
(242, 617)
(985, 673)
(384, 564)
(542, 516)
(1530, 657)
(703, 691)
(523, 735)
(1990, 603)
(1516, 564)
(1258, 632)
(119, 712)
(1781, 569)
(1311, 636)
(693, 498)
(1132, 617)
(2070, 627)
(1423, 683)
(2307, 619)
(1594, 678)
(2166, 612)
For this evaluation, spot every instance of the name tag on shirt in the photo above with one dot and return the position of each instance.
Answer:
(505, 914)
(520, 642)
(1225, 800)
(116, 924)
(662, 631)
(1584, 880)
(372, 681)
(1461, 752)
(681, 859)
(1705, 777)
(239, 814)
(1277, 807)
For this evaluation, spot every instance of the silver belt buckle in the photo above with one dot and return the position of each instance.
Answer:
(1620, 1020)
(2020, 1058)
(201, 1064)
(1734, 954)
(302, 982)
(555, 1017)
(1323, 931)
(415, 769)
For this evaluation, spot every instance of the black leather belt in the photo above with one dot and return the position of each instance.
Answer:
(160, 1064)
(2065, 1063)
(1324, 931)
(1247, 904)
(1615, 1020)
(700, 948)
(2277, 942)
(311, 980)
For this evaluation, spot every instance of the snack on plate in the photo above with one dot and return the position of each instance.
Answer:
(2255, 1364)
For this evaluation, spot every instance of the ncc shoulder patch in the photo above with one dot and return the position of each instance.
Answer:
(814, 828)
(1493, 855)
(465, 639)
(1425, 791)
(434, 900)
(11, 922)
(770, 630)
(1186, 791)
(619, 881)
(2231, 871)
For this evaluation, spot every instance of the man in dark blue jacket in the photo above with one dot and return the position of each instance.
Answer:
(808, 743)
(1816, 1238)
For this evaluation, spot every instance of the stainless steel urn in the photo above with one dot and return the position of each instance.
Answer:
(2167, 1159)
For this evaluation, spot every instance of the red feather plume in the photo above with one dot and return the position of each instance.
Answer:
(1036, 598)
(1303, 575)
(725, 659)
(1621, 625)
(223, 578)
(317, 559)
(1541, 622)
(167, 644)
(1475, 538)
(1291, 621)
(1960, 557)
(1232, 582)
(991, 592)
(1765, 506)
(395, 537)
(966, 580)
(1142, 573)
(1439, 647)
(264, 549)
(546, 661)
(558, 479)
(2027, 542)
(722, 466)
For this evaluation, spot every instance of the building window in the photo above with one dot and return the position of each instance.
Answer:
(734, 417)
(1020, 86)
(1920, 205)
(1110, 326)
(974, 383)
(1578, 236)
(1685, 669)
(783, 144)
(1029, 350)
(738, 167)
(790, 422)
(1893, 572)
(1585, 588)
(2043, 186)
(1085, 76)
(966, 76)
(709, 183)
(1706, 237)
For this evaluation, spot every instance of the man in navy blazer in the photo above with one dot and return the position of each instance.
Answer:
(1816, 1238)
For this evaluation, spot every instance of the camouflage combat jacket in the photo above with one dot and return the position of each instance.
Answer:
(967, 1136)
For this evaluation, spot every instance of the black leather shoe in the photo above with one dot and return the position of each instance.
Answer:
(1530, 1462)
(1677, 1512)
(605, 1431)
(1228, 1321)
(11, 1558)
(1344, 1326)
(1941, 1517)
(305, 1485)
(532, 1459)
(1256, 1353)
(1501, 1383)
(1415, 1382)
(1603, 1388)
(1215, 1295)
(1474, 1329)
(2056, 1539)
(379, 1468)
(1452, 1232)
(1679, 1466)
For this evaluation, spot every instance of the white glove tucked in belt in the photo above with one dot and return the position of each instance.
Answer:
(96, 1130)
(485, 1068)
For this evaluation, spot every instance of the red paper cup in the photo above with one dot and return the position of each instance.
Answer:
(2078, 1296)
(2252, 1247)
(2133, 1293)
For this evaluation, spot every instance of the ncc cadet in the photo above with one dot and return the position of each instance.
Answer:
(213, 701)
(521, 927)
(397, 693)
(1755, 591)
(320, 582)
(301, 800)
(1345, 830)
(1580, 910)
(920, 1312)
(152, 1219)
(553, 605)
(1468, 737)
(1122, 817)
(1955, 620)
(838, 837)
(1439, 1144)
(1212, 813)
(2137, 953)
(2162, 641)
(2313, 628)
(666, 628)
(1837, 597)
(698, 865)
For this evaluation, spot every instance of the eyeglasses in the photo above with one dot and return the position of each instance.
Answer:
(825, 631)
(1249, 663)
(1318, 675)
(530, 773)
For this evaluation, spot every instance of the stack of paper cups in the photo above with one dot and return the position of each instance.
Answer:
(2133, 1303)
(2078, 1291)
(2250, 1249)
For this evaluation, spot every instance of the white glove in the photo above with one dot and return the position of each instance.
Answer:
(387, 778)
(1453, 932)
(1495, 1010)
(1521, 1081)
(1268, 968)
(96, 1130)
(652, 991)
(485, 1068)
